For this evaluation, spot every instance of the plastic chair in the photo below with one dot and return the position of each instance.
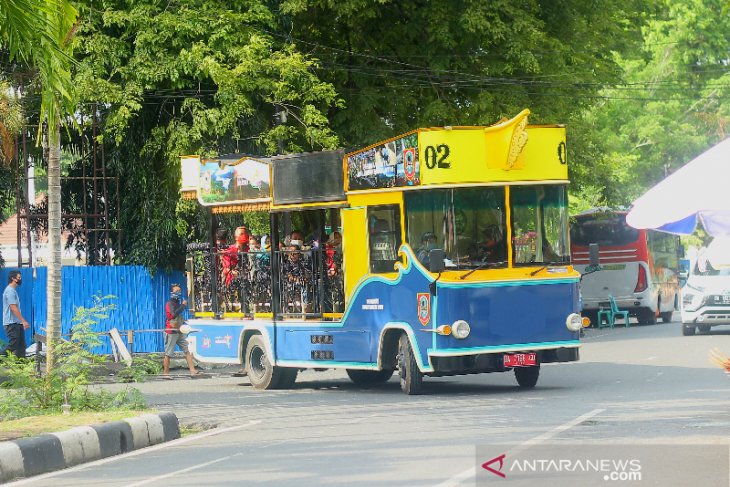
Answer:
(611, 314)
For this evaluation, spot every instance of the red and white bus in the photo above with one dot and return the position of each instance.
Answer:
(639, 268)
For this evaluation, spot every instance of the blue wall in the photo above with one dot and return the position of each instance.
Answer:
(139, 299)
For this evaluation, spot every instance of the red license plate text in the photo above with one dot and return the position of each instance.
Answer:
(520, 360)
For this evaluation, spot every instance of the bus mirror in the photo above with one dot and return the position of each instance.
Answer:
(436, 260)
(683, 274)
(593, 255)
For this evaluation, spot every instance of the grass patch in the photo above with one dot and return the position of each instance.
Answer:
(51, 423)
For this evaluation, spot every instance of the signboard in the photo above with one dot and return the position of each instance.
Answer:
(511, 151)
(393, 163)
(246, 181)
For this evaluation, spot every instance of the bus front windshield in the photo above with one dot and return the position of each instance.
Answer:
(469, 224)
(539, 225)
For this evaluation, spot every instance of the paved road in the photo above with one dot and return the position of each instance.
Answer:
(632, 386)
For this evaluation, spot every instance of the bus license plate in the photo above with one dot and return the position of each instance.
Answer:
(520, 360)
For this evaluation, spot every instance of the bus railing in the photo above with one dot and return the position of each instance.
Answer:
(240, 284)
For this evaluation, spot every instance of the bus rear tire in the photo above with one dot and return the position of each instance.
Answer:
(261, 373)
(365, 377)
(688, 330)
(411, 378)
(527, 376)
(666, 316)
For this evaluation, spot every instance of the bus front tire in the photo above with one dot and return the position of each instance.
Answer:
(688, 330)
(365, 377)
(411, 378)
(261, 372)
(704, 328)
(527, 376)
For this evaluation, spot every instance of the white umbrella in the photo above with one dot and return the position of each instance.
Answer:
(699, 190)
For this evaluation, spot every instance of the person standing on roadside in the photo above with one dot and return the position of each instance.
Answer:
(173, 336)
(13, 321)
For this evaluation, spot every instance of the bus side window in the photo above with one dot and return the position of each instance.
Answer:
(384, 237)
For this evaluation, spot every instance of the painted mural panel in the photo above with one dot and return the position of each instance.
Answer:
(391, 164)
(247, 180)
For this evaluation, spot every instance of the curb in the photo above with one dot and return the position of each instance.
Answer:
(50, 452)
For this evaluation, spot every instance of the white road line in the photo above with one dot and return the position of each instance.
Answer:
(180, 441)
(177, 472)
(470, 473)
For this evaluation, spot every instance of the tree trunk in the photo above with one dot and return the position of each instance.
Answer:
(53, 321)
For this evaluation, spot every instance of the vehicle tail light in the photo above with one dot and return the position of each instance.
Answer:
(641, 283)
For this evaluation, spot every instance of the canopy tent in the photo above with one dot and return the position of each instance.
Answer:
(699, 190)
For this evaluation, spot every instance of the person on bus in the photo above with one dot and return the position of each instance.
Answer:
(296, 279)
(262, 276)
(492, 248)
(428, 243)
(237, 278)
(334, 285)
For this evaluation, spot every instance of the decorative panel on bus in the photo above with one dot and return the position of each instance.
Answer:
(233, 180)
(308, 178)
(389, 164)
(508, 151)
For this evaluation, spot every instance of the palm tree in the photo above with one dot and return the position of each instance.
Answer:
(38, 33)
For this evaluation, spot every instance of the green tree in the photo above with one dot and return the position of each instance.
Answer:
(412, 63)
(189, 77)
(38, 33)
(673, 104)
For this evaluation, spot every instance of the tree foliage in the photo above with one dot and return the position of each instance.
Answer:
(190, 77)
(405, 64)
(672, 106)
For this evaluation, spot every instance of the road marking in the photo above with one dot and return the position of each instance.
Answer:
(179, 441)
(470, 473)
(178, 472)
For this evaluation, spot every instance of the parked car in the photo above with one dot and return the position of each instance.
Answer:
(706, 296)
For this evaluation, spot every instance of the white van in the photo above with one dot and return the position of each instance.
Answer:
(706, 296)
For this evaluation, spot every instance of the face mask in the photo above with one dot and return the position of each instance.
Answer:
(242, 239)
(176, 295)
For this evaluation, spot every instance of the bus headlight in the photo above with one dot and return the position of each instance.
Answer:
(574, 322)
(460, 329)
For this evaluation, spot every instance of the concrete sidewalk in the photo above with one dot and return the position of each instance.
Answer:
(46, 453)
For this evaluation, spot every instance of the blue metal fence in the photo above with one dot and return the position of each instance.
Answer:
(139, 300)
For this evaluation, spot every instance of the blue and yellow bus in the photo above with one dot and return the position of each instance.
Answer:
(443, 251)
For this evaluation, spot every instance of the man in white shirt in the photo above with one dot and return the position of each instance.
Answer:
(13, 321)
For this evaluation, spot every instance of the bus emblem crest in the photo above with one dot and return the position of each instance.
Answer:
(409, 163)
(424, 308)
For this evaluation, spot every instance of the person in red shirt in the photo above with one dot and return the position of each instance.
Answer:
(173, 336)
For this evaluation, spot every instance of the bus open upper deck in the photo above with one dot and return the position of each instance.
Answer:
(453, 259)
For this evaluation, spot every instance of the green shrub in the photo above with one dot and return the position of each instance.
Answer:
(26, 393)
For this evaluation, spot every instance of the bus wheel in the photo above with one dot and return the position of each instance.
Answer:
(688, 330)
(411, 378)
(527, 376)
(667, 316)
(261, 373)
(704, 328)
(364, 377)
(287, 377)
